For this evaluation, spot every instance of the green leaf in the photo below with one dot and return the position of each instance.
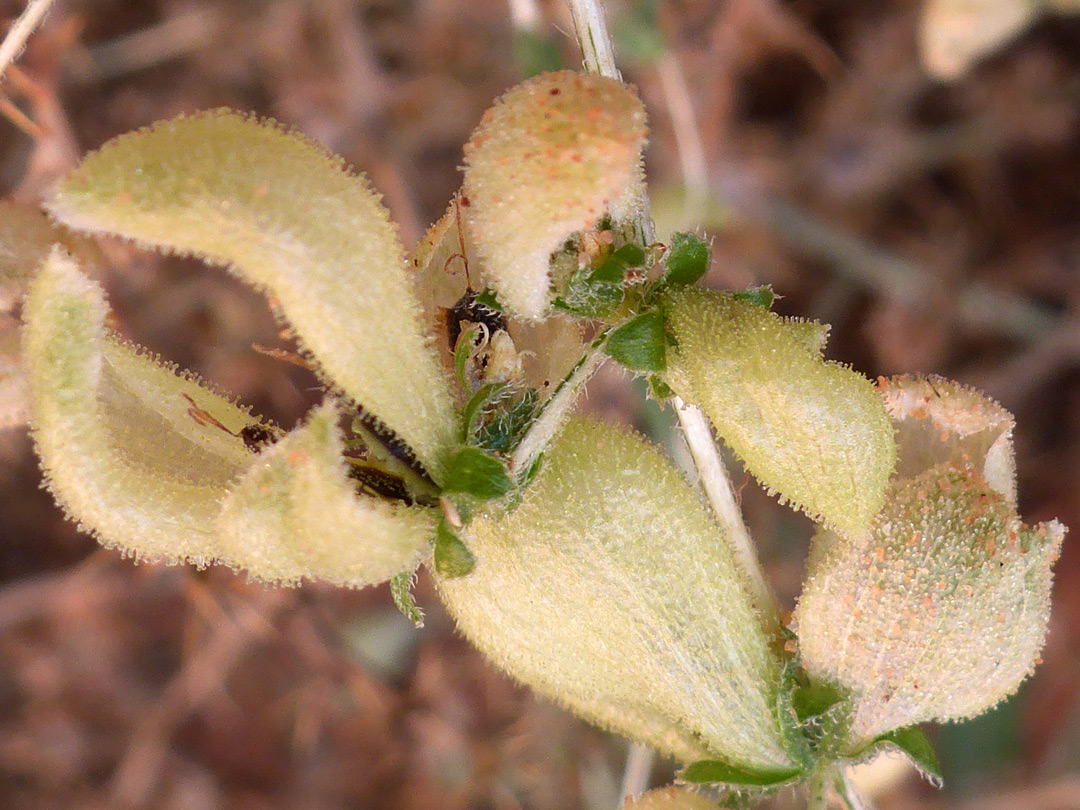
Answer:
(758, 296)
(401, 591)
(549, 159)
(136, 453)
(452, 557)
(288, 217)
(297, 515)
(814, 432)
(639, 344)
(611, 589)
(476, 473)
(814, 699)
(707, 770)
(687, 260)
(488, 299)
(630, 255)
(913, 742)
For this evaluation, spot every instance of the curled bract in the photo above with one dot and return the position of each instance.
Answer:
(813, 431)
(122, 449)
(610, 588)
(295, 514)
(155, 463)
(287, 216)
(550, 158)
(940, 611)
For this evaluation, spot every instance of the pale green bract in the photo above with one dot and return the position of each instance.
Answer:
(941, 610)
(118, 443)
(611, 589)
(295, 514)
(285, 215)
(813, 431)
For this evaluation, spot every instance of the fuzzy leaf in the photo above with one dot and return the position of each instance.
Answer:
(124, 450)
(938, 420)
(295, 514)
(287, 216)
(813, 431)
(640, 344)
(671, 798)
(711, 770)
(401, 591)
(687, 261)
(938, 613)
(610, 588)
(550, 158)
(452, 557)
(915, 744)
(477, 473)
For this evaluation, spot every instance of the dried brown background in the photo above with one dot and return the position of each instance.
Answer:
(936, 226)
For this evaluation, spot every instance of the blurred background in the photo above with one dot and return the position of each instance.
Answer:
(889, 167)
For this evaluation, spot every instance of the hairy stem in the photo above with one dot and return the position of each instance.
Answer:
(556, 409)
(590, 26)
(20, 32)
(599, 57)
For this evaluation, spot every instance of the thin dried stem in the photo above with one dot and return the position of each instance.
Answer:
(15, 41)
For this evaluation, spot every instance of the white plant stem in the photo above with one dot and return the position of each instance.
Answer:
(635, 781)
(16, 38)
(597, 54)
(599, 57)
(718, 489)
(555, 411)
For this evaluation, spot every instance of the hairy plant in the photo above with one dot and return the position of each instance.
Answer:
(572, 552)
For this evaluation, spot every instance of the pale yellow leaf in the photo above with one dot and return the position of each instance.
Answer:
(938, 613)
(287, 216)
(295, 514)
(125, 443)
(549, 159)
(813, 431)
(611, 589)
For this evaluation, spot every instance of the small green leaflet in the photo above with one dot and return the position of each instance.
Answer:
(687, 261)
(476, 473)
(640, 343)
(813, 699)
(711, 770)
(913, 742)
(401, 591)
(452, 556)
(630, 255)
(759, 296)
